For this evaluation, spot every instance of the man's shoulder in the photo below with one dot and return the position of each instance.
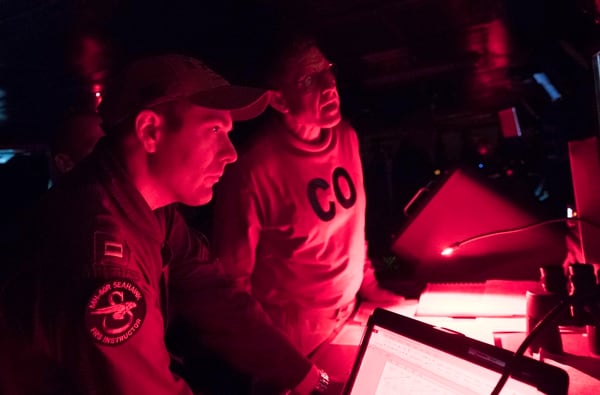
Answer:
(345, 127)
(79, 204)
(74, 198)
(346, 134)
(81, 224)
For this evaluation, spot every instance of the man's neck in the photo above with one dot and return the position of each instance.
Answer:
(151, 195)
(136, 167)
(308, 133)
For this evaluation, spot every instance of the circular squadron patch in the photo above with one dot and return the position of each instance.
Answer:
(115, 312)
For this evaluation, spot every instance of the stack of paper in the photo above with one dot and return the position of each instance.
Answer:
(493, 298)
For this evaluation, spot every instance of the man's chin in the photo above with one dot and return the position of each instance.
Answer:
(331, 121)
(199, 200)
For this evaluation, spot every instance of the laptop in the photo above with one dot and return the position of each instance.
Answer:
(463, 204)
(400, 355)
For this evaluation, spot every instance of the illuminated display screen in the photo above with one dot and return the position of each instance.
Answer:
(394, 364)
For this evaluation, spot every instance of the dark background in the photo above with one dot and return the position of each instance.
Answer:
(421, 80)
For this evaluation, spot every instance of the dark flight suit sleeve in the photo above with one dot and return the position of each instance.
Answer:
(236, 226)
(105, 325)
(227, 319)
(133, 354)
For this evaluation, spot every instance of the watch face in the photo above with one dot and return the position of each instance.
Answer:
(323, 382)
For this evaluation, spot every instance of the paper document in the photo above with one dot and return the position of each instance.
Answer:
(493, 298)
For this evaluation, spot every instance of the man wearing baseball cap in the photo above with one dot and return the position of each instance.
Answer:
(111, 264)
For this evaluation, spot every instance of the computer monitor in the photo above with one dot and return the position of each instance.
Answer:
(584, 156)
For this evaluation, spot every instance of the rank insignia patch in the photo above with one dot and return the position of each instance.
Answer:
(115, 312)
(106, 248)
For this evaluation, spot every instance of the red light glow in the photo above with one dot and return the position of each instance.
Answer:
(97, 91)
(447, 251)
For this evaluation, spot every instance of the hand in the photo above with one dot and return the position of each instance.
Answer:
(370, 290)
(380, 296)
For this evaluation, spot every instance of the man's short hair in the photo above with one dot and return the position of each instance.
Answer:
(171, 112)
(284, 53)
(155, 80)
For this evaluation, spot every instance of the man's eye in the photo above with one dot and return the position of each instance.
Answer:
(215, 129)
(308, 81)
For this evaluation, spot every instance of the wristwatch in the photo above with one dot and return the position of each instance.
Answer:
(322, 384)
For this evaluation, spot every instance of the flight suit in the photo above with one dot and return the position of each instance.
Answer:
(105, 276)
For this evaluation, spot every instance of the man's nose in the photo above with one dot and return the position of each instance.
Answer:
(228, 152)
(328, 80)
(327, 83)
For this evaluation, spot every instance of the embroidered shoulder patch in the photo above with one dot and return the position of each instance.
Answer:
(115, 312)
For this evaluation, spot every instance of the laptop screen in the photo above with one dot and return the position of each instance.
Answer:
(416, 358)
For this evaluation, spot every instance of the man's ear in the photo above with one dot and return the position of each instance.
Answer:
(148, 126)
(279, 103)
(63, 163)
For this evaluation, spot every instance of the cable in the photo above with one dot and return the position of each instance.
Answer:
(575, 299)
(450, 249)
(548, 319)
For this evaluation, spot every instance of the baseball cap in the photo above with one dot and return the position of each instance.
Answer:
(162, 78)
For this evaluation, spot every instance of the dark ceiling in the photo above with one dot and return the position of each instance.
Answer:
(423, 81)
(401, 61)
